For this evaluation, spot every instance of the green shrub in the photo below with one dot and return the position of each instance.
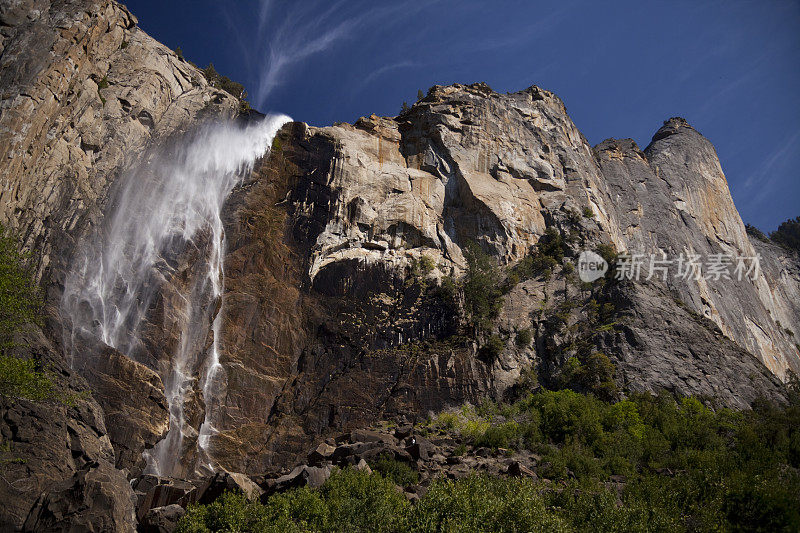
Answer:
(542, 260)
(523, 337)
(224, 83)
(349, 501)
(20, 308)
(357, 501)
(755, 232)
(590, 373)
(420, 269)
(21, 379)
(229, 512)
(483, 297)
(609, 253)
(475, 429)
(20, 298)
(492, 348)
(446, 293)
(788, 234)
(396, 471)
(481, 503)
(504, 435)
(567, 414)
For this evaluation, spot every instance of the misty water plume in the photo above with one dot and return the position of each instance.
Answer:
(150, 281)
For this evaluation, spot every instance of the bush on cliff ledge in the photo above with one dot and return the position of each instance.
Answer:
(20, 307)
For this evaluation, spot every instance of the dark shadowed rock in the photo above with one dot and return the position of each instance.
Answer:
(210, 489)
(321, 453)
(97, 498)
(132, 398)
(161, 519)
(153, 492)
(421, 448)
(56, 444)
(403, 432)
(301, 476)
(365, 435)
(517, 469)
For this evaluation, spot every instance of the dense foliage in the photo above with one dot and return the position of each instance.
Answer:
(20, 302)
(788, 234)
(20, 306)
(676, 466)
(483, 297)
(22, 379)
(349, 501)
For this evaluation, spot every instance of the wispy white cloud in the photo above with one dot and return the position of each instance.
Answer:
(768, 174)
(287, 38)
(385, 69)
(534, 30)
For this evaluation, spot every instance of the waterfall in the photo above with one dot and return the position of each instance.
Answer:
(161, 250)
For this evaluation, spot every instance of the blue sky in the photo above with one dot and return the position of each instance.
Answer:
(731, 68)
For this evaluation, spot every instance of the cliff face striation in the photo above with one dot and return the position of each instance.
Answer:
(343, 252)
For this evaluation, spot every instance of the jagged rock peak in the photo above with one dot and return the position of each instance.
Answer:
(673, 126)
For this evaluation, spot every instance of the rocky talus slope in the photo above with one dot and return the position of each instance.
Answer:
(330, 323)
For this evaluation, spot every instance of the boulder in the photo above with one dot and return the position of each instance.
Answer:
(161, 519)
(421, 449)
(517, 469)
(97, 498)
(211, 488)
(301, 476)
(365, 435)
(403, 432)
(321, 453)
(362, 466)
(154, 491)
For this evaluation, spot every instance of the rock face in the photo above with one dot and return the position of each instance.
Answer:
(58, 465)
(84, 93)
(347, 335)
(97, 498)
(469, 164)
(132, 398)
(339, 249)
(682, 205)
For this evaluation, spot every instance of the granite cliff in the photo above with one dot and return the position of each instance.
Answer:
(339, 248)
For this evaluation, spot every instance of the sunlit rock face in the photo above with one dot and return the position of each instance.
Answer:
(672, 198)
(337, 341)
(467, 164)
(84, 91)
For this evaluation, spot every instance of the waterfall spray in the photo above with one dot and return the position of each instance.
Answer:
(163, 229)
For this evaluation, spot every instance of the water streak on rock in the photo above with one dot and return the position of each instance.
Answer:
(163, 227)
